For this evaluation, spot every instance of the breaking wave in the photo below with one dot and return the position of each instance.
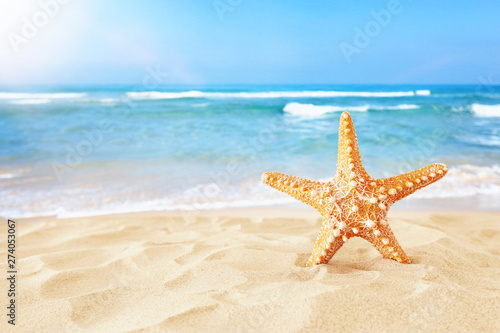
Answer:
(311, 110)
(36, 96)
(483, 110)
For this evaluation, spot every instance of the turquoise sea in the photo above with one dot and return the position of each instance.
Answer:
(87, 150)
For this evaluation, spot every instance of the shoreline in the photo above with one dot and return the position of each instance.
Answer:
(400, 207)
(465, 189)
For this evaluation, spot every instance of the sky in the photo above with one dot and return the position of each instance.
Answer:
(249, 41)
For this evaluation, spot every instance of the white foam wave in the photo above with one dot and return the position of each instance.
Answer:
(166, 95)
(35, 96)
(188, 208)
(483, 110)
(272, 94)
(397, 107)
(7, 175)
(460, 108)
(107, 101)
(463, 181)
(31, 101)
(311, 110)
(423, 92)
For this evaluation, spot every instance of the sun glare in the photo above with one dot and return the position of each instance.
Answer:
(13, 12)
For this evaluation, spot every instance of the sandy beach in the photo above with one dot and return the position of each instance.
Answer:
(243, 271)
(167, 166)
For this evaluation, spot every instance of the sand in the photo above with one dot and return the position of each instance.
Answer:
(243, 271)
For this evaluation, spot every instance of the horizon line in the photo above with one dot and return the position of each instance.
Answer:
(240, 84)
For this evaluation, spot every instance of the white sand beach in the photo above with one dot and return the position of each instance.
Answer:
(243, 271)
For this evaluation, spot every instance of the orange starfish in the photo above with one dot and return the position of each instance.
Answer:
(353, 203)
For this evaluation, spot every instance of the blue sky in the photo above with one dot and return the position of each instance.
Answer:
(250, 41)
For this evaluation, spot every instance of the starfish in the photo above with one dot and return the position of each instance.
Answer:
(353, 203)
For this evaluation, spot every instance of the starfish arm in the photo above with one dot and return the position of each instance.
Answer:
(301, 189)
(386, 243)
(326, 246)
(399, 187)
(353, 203)
(349, 164)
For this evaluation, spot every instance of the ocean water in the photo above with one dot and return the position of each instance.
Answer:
(88, 150)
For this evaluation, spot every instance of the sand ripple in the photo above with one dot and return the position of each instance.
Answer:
(243, 271)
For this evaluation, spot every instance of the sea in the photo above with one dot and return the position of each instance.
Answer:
(90, 150)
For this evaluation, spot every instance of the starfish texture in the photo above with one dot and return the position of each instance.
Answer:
(353, 203)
